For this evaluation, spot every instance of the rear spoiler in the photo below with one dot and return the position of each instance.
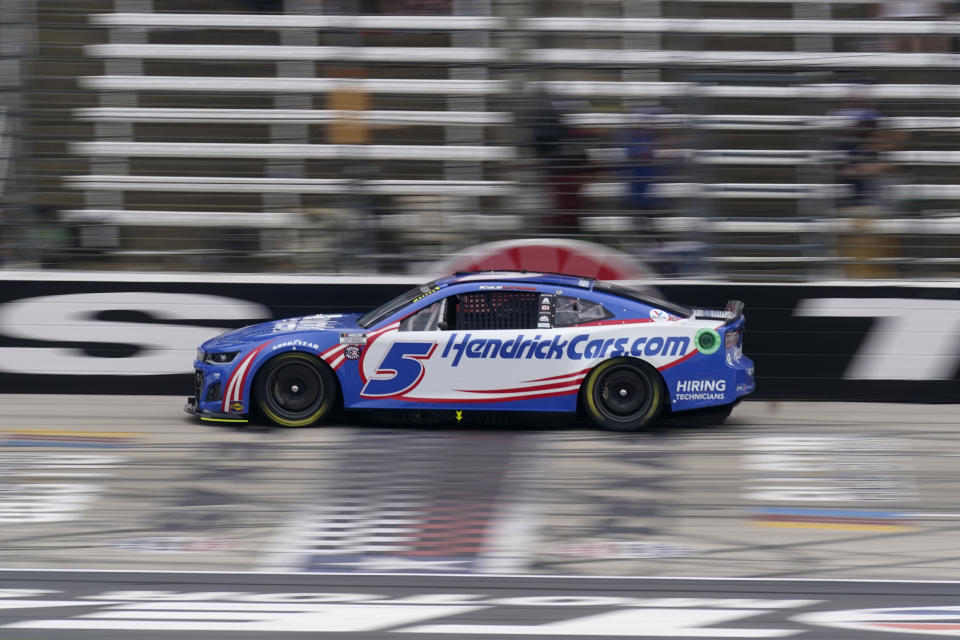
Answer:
(729, 314)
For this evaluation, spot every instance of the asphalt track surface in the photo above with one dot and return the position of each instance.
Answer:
(795, 498)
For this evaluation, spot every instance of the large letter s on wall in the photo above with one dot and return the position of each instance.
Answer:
(164, 348)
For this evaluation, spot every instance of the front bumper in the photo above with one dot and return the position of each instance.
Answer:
(192, 408)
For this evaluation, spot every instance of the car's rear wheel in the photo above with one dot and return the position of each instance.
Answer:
(295, 390)
(622, 395)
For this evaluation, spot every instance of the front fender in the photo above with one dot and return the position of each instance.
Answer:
(238, 394)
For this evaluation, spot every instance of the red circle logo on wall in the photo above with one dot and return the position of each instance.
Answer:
(573, 257)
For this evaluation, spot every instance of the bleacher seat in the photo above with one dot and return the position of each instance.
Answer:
(177, 96)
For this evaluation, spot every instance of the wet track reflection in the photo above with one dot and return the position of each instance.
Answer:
(782, 490)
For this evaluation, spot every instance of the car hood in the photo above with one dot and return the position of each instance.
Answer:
(334, 322)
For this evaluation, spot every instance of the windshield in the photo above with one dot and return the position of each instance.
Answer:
(389, 308)
(639, 296)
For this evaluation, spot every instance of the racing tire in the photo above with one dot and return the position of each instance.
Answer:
(295, 390)
(622, 395)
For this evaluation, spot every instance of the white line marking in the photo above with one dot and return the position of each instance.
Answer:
(483, 576)
(512, 530)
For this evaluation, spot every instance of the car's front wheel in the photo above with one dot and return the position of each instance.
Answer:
(295, 390)
(622, 395)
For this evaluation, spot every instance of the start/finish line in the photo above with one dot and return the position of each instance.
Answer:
(45, 604)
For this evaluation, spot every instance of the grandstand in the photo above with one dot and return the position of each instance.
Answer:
(361, 135)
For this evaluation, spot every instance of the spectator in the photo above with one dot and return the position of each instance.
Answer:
(416, 7)
(865, 146)
(864, 150)
(643, 162)
(562, 150)
(548, 131)
(913, 10)
(267, 6)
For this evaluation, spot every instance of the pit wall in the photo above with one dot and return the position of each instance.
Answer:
(137, 333)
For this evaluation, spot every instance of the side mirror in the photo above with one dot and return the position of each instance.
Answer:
(442, 325)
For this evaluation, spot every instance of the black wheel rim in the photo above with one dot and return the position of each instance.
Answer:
(294, 390)
(623, 394)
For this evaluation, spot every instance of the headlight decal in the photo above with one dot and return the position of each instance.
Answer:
(225, 357)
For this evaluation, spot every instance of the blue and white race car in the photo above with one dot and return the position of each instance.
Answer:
(483, 342)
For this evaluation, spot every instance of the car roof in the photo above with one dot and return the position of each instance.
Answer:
(564, 280)
(533, 277)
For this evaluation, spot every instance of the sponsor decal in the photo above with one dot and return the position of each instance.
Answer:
(546, 318)
(402, 368)
(701, 385)
(734, 356)
(306, 323)
(353, 338)
(490, 287)
(303, 344)
(712, 314)
(285, 325)
(701, 390)
(352, 352)
(659, 315)
(578, 347)
(317, 321)
(707, 341)
(236, 407)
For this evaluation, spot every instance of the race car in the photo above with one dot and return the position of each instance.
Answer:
(483, 342)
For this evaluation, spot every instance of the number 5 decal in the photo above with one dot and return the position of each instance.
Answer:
(403, 366)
